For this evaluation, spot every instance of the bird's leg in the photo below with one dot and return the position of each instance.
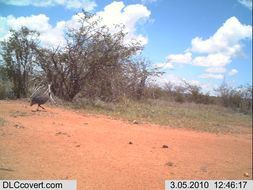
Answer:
(37, 108)
(41, 107)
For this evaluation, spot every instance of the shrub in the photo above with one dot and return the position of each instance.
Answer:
(2, 91)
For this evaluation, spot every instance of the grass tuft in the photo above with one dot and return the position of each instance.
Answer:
(19, 114)
(2, 121)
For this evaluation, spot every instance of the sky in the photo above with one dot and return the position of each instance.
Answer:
(204, 42)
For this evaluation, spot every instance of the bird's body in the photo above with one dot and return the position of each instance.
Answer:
(41, 99)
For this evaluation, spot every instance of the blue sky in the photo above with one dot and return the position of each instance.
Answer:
(201, 41)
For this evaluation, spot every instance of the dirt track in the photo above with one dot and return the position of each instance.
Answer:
(95, 150)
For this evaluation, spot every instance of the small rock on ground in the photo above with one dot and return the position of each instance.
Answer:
(135, 122)
(19, 126)
(169, 164)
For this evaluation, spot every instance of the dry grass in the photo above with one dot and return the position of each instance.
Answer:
(2, 121)
(19, 114)
(199, 117)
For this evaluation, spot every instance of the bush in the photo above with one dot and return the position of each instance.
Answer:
(2, 91)
(237, 98)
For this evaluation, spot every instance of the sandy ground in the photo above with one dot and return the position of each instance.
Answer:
(95, 150)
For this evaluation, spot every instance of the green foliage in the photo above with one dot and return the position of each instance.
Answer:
(18, 55)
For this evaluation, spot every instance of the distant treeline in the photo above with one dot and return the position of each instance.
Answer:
(95, 63)
(237, 98)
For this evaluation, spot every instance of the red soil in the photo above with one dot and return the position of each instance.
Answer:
(95, 150)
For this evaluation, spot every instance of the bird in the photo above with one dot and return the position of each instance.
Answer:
(41, 98)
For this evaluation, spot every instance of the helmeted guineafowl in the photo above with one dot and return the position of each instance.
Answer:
(41, 98)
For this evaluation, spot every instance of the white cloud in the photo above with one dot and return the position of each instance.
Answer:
(246, 3)
(34, 22)
(210, 75)
(180, 58)
(232, 72)
(87, 5)
(173, 79)
(117, 13)
(212, 60)
(217, 51)
(130, 16)
(226, 40)
(167, 65)
(175, 58)
(168, 78)
(216, 70)
(49, 36)
(114, 13)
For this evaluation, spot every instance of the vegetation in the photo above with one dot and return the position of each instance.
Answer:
(210, 118)
(2, 121)
(94, 63)
(239, 98)
(19, 114)
(18, 55)
(97, 65)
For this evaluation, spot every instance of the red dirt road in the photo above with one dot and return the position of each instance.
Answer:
(95, 150)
